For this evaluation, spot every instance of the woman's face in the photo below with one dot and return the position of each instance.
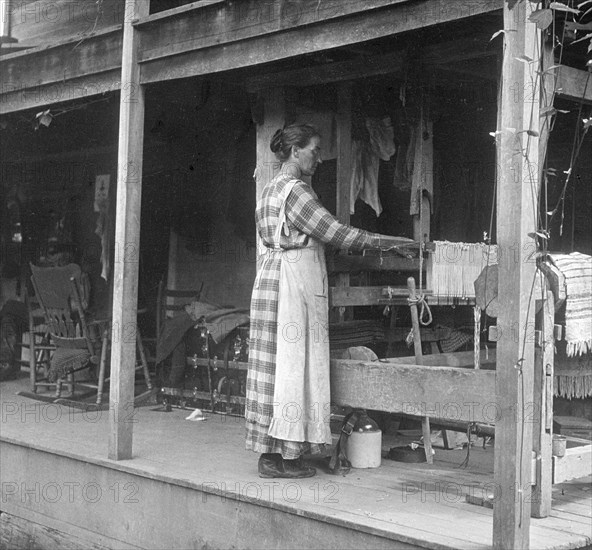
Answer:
(309, 157)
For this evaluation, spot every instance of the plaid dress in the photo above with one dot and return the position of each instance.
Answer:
(306, 219)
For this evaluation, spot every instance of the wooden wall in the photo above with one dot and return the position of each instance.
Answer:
(210, 138)
(43, 23)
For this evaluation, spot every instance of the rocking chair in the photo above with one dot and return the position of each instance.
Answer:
(78, 344)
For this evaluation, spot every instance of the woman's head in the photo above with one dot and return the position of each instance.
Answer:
(298, 145)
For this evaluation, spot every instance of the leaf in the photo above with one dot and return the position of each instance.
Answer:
(587, 123)
(495, 34)
(563, 111)
(589, 35)
(573, 26)
(542, 18)
(524, 59)
(532, 133)
(538, 234)
(562, 7)
(547, 111)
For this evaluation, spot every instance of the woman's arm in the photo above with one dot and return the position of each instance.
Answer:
(306, 212)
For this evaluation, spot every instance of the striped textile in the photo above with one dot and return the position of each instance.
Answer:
(306, 219)
(577, 270)
(355, 333)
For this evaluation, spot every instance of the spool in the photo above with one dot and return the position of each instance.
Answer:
(364, 445)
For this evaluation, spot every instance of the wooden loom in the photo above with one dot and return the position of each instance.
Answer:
(398, 385)
(450, 388)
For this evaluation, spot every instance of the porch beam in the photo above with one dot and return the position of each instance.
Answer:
(71, 70)
(447, 392)
(517, 208)
(285, 35)
(574, 84)
(373, 65)
(202, 26)
(227, 35)
(127, 242)
(20, 98)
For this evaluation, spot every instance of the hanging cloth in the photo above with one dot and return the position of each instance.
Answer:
(422, 181)
(366, 162)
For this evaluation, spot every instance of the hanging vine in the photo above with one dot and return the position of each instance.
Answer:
(577, 20)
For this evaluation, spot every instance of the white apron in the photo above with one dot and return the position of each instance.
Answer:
(301, 403)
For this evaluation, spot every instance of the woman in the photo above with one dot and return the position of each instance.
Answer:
(288, 397)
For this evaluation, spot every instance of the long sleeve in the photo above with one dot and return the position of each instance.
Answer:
(308, 215)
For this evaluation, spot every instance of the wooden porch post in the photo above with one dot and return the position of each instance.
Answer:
(274, 117)
(517, 215)
(127, 239)
(344, 153)
(545, 354)
(344, 172)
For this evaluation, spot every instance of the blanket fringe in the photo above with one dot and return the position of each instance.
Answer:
(580, 347)
(573, 387)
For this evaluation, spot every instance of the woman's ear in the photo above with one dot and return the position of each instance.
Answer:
(295, 151)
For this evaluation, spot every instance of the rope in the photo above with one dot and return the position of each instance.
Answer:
(425, 309)
(465, 462)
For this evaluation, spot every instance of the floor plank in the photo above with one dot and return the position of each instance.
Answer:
(414, 503)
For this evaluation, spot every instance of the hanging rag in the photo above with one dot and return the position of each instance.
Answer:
(422, 181)
(366, 162)
(103, 232)
(404, 161)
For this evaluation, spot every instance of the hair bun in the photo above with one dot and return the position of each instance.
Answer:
(276, 141)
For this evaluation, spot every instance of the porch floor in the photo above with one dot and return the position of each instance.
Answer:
(398, 505)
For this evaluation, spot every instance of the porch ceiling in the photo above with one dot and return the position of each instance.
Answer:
(211, 37)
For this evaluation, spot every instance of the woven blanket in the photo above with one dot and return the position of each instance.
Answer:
(577, 270)
(219, 321)
(456, 266)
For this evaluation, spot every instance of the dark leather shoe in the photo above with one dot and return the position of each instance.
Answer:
(270, 467)
(299, 468)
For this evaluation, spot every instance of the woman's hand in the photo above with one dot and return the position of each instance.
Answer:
(388, 242)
